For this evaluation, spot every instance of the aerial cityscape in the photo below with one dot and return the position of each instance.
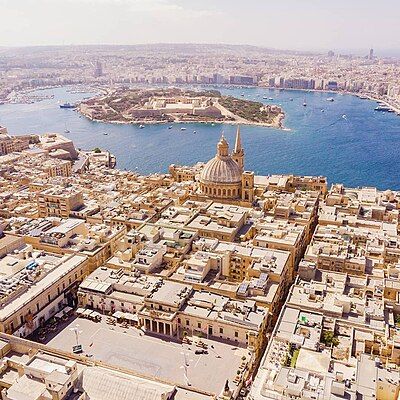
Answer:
(193, 210)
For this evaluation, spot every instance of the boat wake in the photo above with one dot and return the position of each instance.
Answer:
(337, 121)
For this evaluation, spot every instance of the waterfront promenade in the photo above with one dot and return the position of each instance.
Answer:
(357, 150)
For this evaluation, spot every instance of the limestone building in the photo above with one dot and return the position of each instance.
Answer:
(223, 177)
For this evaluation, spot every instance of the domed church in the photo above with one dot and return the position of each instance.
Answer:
(224, 178)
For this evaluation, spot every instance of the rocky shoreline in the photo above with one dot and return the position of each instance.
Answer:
(176, 106)
(277, 124)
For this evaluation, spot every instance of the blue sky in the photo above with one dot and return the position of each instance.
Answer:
(284, 24)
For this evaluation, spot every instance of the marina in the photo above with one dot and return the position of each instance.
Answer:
(357, 149)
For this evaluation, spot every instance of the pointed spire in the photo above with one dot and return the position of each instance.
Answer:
(238, 142)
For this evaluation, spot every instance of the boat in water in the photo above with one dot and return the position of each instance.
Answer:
(141, 126)
(67, 105)
(170, 127)
(383, 108)
(183, 129)
(330, 99)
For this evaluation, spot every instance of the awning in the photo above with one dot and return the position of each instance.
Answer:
(118, 314)
(80, 310)
(60, 314)
(67, 309)
(86, 313)
(131, 317)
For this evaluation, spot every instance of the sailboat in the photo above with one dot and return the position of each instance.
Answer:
(66, 130)
(304, 103)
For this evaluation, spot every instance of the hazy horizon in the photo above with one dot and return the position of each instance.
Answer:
(360, 51)
(312, 25)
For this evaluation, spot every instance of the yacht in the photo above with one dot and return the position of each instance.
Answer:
(67, 105)
(330, 99)
(141, 126)
(183, 129)
(383, 108)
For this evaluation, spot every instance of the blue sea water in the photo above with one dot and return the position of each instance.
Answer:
(348, 142)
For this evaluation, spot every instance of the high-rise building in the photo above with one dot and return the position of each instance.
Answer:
(98, 71)
(371, 54)
(271, 82)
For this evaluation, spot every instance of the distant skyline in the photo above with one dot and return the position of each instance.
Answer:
(315, 25)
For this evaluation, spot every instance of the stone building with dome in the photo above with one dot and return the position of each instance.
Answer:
(224, 178)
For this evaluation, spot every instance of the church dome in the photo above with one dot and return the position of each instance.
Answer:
(219, 170)
(222, 168)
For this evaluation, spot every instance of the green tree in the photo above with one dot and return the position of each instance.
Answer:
(329, 338)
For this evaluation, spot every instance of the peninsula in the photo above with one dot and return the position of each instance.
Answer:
(177, 105)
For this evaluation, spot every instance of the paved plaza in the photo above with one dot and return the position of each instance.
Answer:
(154, 356)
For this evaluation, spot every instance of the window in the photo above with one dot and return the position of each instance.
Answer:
(221, 330)
(187, 322)
(199, 325)
(236, 334)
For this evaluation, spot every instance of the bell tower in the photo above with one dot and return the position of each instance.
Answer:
(238, 152)
(248, 186)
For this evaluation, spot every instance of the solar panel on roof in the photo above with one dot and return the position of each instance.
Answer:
(243, 288)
